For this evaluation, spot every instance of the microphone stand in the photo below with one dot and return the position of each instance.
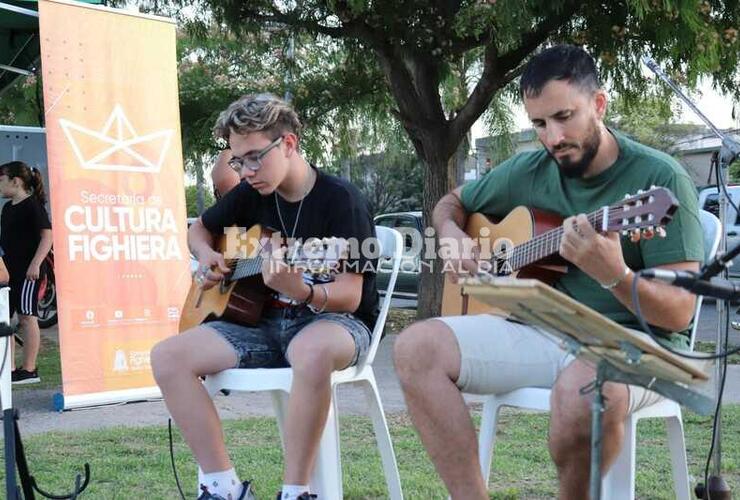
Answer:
(717, 488)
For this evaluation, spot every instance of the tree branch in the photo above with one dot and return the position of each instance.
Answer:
(462, 45)
(500, 70)
(355, 28)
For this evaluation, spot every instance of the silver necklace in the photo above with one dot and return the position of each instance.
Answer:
(297, 215)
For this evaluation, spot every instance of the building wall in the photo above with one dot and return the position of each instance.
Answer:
(697, 164)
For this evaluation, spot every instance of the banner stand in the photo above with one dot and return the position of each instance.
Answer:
(122, 263)
(62, 402)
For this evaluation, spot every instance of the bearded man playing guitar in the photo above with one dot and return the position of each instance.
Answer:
(583, 167)
(315, 328)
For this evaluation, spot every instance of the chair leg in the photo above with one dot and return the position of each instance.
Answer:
(677, 447)
(280, 405)
(383, 438)
(326, 477)
(487, 435)
(619, 481)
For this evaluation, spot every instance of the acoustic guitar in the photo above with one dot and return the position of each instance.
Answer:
(530, 240)
(240, 297)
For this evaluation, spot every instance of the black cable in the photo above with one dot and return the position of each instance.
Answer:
(172, 459)
(715, 420)
(646, 328)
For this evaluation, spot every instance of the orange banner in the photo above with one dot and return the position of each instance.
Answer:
(117, 196)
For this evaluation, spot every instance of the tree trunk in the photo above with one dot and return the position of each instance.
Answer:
(461, 157)
(439, 179)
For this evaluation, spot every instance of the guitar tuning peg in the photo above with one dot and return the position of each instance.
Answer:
(635, 235)
(660, 231)
(648, 233)
(640, 191)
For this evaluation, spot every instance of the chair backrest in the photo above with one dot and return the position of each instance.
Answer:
(712, 229)
(391, 248)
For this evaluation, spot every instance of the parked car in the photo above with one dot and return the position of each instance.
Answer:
(412, 230)
(709, 201)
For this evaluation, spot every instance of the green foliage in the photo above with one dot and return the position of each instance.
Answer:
(433, 58)
(334, 93)
(734, 171)
(21, 103)
(391, 182)
(650, 119)
(191, 199)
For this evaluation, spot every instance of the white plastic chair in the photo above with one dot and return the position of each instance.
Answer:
(326, 478)
(619, 482)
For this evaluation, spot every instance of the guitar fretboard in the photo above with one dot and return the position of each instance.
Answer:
(244, 268)
(544, 245)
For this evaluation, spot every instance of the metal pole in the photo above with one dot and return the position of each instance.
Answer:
(597, 410)
(729, 150)
(18, 10)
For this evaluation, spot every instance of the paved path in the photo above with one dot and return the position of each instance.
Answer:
(37, 414)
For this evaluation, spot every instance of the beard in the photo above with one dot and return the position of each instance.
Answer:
(589, 147)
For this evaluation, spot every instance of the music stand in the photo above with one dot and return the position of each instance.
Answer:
(620, 355)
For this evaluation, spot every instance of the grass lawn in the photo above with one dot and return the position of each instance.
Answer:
(48, 365)
(134, 462)
(710, 347)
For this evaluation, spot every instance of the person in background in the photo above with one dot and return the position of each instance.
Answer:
(224, 177)
(25, 236)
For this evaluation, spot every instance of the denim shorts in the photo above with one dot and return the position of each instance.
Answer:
(265, 344)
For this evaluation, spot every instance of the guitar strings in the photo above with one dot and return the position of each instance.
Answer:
(545, 244)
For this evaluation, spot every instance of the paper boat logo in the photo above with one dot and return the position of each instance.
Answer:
(117, 147)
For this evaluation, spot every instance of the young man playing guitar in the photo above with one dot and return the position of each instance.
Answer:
(313, 328)
(583, 166)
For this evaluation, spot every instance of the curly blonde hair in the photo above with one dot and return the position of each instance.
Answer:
(257, 113)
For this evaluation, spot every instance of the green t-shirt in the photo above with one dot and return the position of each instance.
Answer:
(533, 179)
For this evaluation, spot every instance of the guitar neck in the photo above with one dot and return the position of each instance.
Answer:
(246, 268)
(545, 245)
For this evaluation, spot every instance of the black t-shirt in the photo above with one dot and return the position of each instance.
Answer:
(20, 232)
(333, 208)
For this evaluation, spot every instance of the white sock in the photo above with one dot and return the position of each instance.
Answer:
(291, 491)
(224, 483)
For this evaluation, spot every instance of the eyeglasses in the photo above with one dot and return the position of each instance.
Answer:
(253, 161)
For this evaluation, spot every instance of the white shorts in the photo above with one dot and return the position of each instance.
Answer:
(498, 356)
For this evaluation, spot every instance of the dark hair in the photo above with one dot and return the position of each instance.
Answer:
(29, 176)
(561, 62)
